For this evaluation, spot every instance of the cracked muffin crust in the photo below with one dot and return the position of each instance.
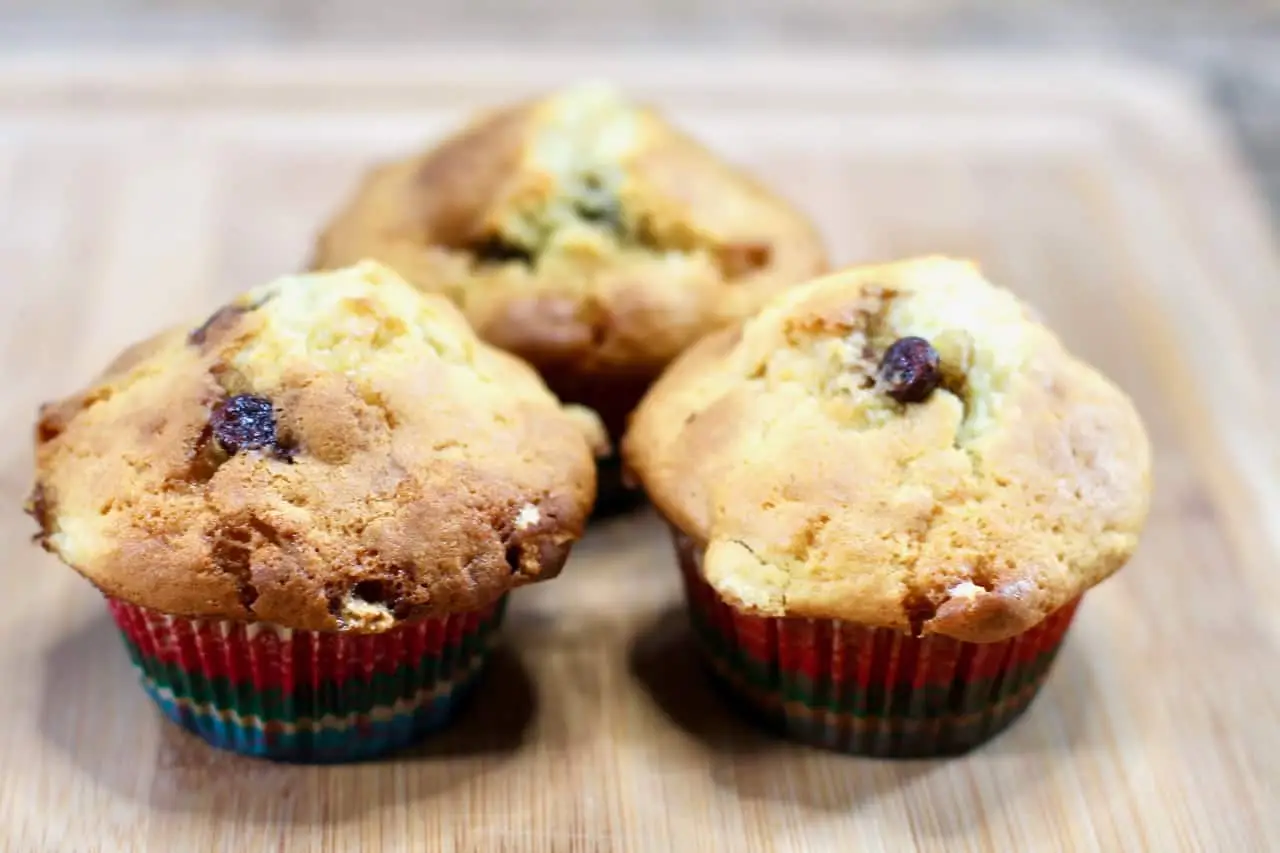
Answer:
(972, 508)
(333, 452)
(583, 233)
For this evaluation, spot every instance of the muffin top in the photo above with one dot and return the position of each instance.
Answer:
(579, 231)
(900, 446)
(332, 452)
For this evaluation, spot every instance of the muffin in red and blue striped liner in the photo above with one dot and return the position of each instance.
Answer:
(307, 512)
(889, 491)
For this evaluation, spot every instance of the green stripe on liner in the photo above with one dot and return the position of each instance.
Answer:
(355, 695)
(873, 701)
(335, 722)
(889, 737)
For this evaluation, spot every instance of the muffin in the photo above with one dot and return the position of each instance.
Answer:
(306, 513)
(584, 234)
(889, 491)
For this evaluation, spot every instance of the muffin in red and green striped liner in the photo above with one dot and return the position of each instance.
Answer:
(307, 512)
(889, 491)
(872, 691)
(260, 689)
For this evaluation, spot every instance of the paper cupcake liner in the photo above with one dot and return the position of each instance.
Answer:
(263, 690)
(864, 690)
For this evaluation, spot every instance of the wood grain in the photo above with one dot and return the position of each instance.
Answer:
(138, 192)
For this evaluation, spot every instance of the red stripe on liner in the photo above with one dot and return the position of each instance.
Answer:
(257, 654)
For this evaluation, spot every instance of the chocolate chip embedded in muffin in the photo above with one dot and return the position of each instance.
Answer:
(494, 250)
(247, 422)
(910, 370)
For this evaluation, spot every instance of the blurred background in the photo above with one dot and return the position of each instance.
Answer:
(1231, 47)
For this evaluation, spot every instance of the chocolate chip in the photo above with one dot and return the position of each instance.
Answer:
(246, 422)
(495, 250)
(910, 370)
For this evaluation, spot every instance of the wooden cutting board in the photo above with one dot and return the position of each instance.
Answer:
(136, 192)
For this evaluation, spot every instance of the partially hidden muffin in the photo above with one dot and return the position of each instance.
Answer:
(583, 233)
(306, 513)
(889, 491)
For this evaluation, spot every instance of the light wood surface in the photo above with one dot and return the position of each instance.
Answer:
(1231, 48)
(137, 192)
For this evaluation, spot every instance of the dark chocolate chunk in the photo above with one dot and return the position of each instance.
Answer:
(495, 250)
(910, 370)
(245, 422)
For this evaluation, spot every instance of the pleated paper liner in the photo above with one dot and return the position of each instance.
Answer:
(307, 696)
(863, 690)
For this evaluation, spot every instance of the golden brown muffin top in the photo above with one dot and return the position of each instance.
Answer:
(995, 497)
(330, 452)
(579, 231)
